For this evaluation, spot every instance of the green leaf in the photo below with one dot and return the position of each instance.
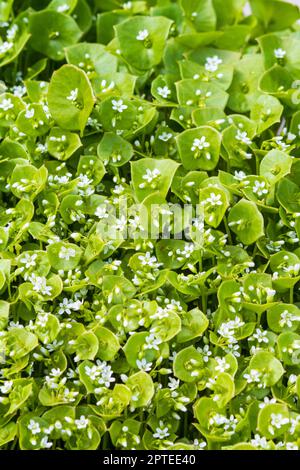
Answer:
(150, 175)
(246, 222)
(275, 165)
(70, 98)
(51, 32)
(142, 40)
(199, 148)
(194, 323)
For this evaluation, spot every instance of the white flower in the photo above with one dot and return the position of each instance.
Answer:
(253, 376)
(206, 352)
(267, 401)
(5, 47)
(164, 92)
(82, 422)
(287, 318)
(260, 336)
(279, 53)
(150, 176)
(222, 364)
(200, 144)
(66, 253)
(6, 104)
(148, 260)
(242, 136)
(212, 63)
(42, 148)
(100, 373)
(66, 306)
(45, 444)
(40, 284)
(161, 432)
(34, 427)
(62, 8)
(291, 446)
(29, 260)
(214, 199)
(73, 95)
(199, 444)
(173, 383)
(29, 113)
(101, 212)
(152, 342)
(259, 188)
(259, 441)
(165, 136)
(119, 106)
(239, 175)
(127, 5)
(142, 35)
(6, 387)
(11, 32)
(143, 365)
(277, 421)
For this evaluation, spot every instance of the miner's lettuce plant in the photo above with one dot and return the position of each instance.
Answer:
(149, 225)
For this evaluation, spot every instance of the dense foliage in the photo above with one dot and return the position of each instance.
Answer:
(111, 334)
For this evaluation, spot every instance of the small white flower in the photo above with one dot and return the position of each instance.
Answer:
(66, 253)
(260, 336)
(161, 432)
(212, 63)
(119, 106)
(164, 92)
(6, 387)
(5, 47)
(291, 446)
(165, 136)
(199, 444)
(29, 260)
(200, 144)
(144, 365)
(253, 376)
(34, 427)
(82, 422)
(62, 8)
(206, 352)
(259, 188)
(239, 175)
(101, 212)
(287, 318)
(11, 32)
(152, 342)
(142, 35)
(173, 383)
(259, 441)
(73, 95)
(39, 284)
(149, 177)
(242, 136)
(29, 113)
(45, 444)
(267, 401)
(277, 421)
(214, 199)
(127, 5)
(279, 53)
(222, 364)
(6, 104)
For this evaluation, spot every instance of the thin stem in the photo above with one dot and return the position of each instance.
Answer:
(227, 230)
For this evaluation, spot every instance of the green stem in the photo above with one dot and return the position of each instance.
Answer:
(292, 295)
(227, 230)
